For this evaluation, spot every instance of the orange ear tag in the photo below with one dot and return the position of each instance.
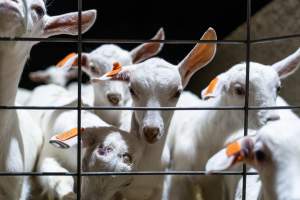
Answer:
(233, 149)
(65, 59)
(65, 139)
(115, 70)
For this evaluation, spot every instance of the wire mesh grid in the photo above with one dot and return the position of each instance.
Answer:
(80, 41)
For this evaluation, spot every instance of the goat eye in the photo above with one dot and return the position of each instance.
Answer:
(39, 11)
(278, 89)
(239, 90)
(103, 150)
(93, 68)
(132, 92)
(260, 155)
(127, 158)
(177, 94)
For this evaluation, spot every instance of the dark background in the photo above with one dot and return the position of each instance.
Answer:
(182, 20)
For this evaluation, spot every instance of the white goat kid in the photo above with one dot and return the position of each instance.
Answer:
(105, 149)
(21, 138)
(53, 75)
(157, 83)
(101, 61)
(52, 159)
(98, 61)
(55, 122)
(190, 138)
(111, 150)
(274, 152)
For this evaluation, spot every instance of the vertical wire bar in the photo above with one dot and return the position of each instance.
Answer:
(79, 49)
(246, 111)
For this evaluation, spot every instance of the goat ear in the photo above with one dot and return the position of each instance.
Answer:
(68, 23)
(219, 162)
(71, 61)
(214, 88)
(147, 50)
(235, 153)
(89, 137)
(199, 57)
(39, 76)
(288, 65)
(118, 73)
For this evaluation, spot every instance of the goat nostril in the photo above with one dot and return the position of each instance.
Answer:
(104, 150)
(114, 98)
(151, 134)
(273, 118)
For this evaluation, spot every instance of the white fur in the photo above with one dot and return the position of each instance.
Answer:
(22, 96)
(97, 63)
(96, 133)
(21, 137)
(196, 137)
(102, 59)
(253, 182)
(157, 83)
(53, 74)
(279, 144)
(151, 79)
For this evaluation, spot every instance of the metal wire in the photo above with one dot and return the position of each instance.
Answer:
(150, 173)
(80, 41)
(147, 108)
(79, 45)
(138, 41)
(248, 49)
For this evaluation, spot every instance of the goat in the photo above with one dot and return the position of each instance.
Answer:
(100, 61)
(190, 138)
(273, 151)
(21, 137)
(157, 83)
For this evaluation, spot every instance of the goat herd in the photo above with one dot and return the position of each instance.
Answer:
(140, 140)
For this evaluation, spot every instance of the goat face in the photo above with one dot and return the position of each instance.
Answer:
(273, 151)
(157, 83)
(29, 18)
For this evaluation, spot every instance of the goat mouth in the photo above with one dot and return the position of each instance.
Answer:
(151, 140)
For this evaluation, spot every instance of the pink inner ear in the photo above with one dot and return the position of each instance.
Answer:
(66, 22)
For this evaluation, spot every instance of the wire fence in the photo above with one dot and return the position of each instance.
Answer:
(80, 41)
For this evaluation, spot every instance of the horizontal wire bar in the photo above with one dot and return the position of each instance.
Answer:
(137, 173)
(133, 41)
(146, 108)
(121, 41)
(37, 174)
(37, 108)
(270, 39)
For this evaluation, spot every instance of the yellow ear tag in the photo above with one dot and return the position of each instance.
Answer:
(233, 149)
(65, 59)
(115, 70)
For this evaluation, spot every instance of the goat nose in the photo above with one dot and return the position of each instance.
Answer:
(114, 98)
(273, 117)
(151, 134)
